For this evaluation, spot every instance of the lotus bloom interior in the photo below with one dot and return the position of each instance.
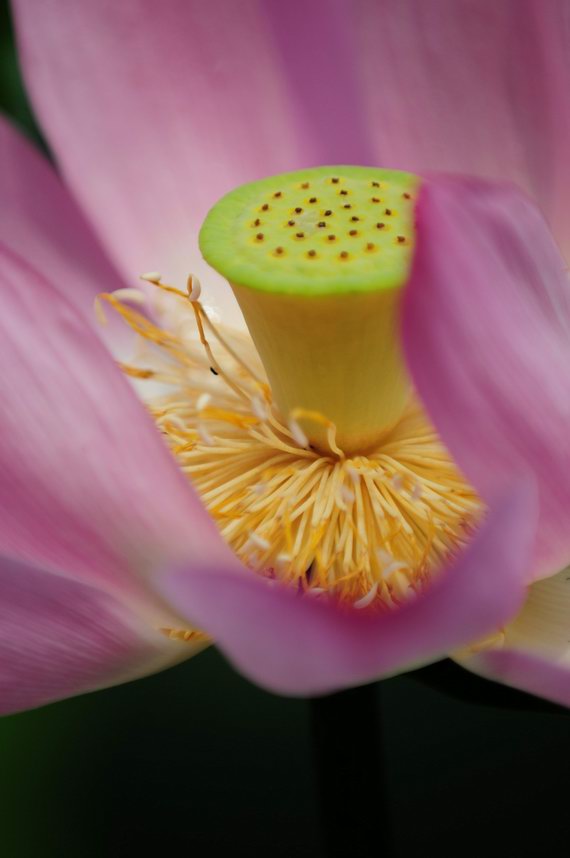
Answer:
(372, 473)
(318, 463)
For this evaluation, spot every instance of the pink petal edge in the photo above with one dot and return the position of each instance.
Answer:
(525, 671)
(486, 322)
(60, 637)
(300, 645)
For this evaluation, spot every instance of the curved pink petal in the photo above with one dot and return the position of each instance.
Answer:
(299, 645)
(60, 637)
(87, 486)
(486, 326)
(153, 115)
(40, 221)
(529, 673)
(472, 87)
(535, 653)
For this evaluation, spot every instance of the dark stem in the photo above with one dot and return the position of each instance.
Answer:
(349, 760)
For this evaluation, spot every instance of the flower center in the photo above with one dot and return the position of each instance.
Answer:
(369, 530)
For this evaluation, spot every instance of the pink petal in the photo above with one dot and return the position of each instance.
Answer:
(59, 637)
(473, 87)
(300, 645)
(535, 655)
(87, 486)
(41, 222)
(486, 328)
(316, 46)
(153, 116)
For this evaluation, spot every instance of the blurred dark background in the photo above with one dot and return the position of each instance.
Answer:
(196, 758)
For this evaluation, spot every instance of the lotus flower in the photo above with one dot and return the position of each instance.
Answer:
(113, 563)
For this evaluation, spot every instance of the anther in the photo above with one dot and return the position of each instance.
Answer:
(259, 407)
(131, 294)
(290, 223)
(343, 193)
(328, 213)
(367, 599)
(152, 277)
(354, 218)
(311, 253)
(347, 206)
(257, 222)
(388, 211)
(205, 436)
(313, 200)
(298, 435)
(277, 194)
(321, 223)
(299, 235)
(298, 210)
(214, 371)
(380, 225)
(375, 184)
(264, 207)
(258, 541)
(305, 185)
(343, 254)
(279, 251)
(370, 246)
(401, 239)
(331, 237)
(407, 196)
(194, 288)
(335, 181)
(353, 232)
(203, 401)
(259, 236)
(375, 200)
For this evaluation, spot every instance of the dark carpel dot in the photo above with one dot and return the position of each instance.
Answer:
(321, 224)
(347, 206)
(259, 236)
(354, 218)
(311, 253)
(331, 237)
(328, 213)
(353, 232)
(380, 225)
(277, 194)
(388, 211)
(343, 193)
(264, 207)
(257, 222)
(335, 181)
(290, 223)
(299, 235)
(298, 210)
(313, 200)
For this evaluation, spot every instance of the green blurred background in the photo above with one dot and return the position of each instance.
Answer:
(198, 759)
